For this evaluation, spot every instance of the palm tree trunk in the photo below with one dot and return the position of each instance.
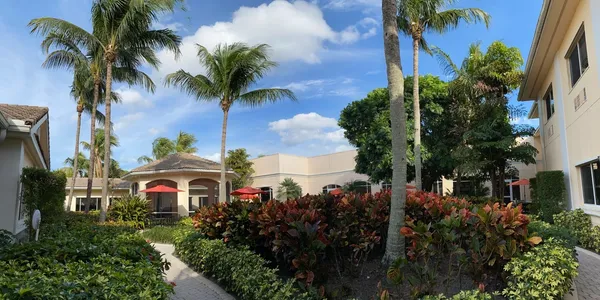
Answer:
(92, 145)
(106, 171)
(394, 248)
(223, 180)
(417, 115)
(76, 157)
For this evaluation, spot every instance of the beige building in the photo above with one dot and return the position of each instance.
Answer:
(315, 174)
(118, 189)
(196, 178)
(24, 142)
(562, 79)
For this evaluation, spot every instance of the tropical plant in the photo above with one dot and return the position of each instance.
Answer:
(163, 146)
(395, 242)
(580, 224)
(288, 189)
(81, 165)
(132, 209)
(99, 149)
(238, 161)
(416, 17)
(232, 70)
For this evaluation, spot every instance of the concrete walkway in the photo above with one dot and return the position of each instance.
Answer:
(189, 284)
(588, 281)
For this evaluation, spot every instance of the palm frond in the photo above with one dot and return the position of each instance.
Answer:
(445, 62)
(198, 86)
(262, 96)
(144, 159)
(444, 21)
(70, 31)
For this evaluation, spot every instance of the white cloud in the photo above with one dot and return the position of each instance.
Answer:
(175, 26)
(131, 97)
(308, 127)
(127, 120)
(525, 121)
(216, 157)
(340, 87)
(341, 148)
(155, 131)
(370, 33)
(295, 31)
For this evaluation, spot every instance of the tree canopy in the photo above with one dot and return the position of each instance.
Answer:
(238, 161)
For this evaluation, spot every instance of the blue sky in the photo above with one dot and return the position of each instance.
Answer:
(330, 53)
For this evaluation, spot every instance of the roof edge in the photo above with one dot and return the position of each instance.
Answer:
(134, 173)
(534, 46)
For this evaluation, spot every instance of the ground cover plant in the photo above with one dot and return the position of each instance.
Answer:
(77, 258)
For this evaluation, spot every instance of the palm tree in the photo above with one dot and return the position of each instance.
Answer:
(231, 71)
(82, 165)
(289, 189)
(163, 146)
(416, 17)
(394, 247)
(96, 151)
(120, 43)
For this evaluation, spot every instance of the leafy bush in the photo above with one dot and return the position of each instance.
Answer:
(550, 194)
(463, 295)
(534, 199)
(545, 272)
(580, 224)
(547, 231)
(133, 210)
(6, 238)
(80, 258)
(43, 190)
(164, 234)
(186, 221)
(239, 270)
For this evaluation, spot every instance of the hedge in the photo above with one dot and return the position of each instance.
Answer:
(580, 224)
(43, 190)
(547, 231)
(550, 194)
(77, 259)
(238, 270)
(545, 272)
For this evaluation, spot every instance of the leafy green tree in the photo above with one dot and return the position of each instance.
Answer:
(367, 126)
(416, 17)
(289, 189)
(489, 142)
(162, 146)
(394, 247)
(232, 70)
(238, 161)
(81, 166)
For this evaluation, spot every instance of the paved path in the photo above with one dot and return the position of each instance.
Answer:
(588, 281)
(189, 284)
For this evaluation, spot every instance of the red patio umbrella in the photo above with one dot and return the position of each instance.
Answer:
(161, 189)
(336, 192)
(521, 182)
(247, 190)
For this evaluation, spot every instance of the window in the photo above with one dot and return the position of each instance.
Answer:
(330, 187)
(386, 186)
(549, 101)
(80, 204)
(362, 187)
(267, 194)
(135, 188)
(590, 181)
(578, 57)
(198, 197)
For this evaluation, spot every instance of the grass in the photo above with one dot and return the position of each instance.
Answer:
(161, 234)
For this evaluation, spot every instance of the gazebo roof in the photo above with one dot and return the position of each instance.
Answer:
(178, 162)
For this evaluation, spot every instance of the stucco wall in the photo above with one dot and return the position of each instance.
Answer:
(11, 158)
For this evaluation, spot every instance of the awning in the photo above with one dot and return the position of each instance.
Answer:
(161, 189)
(521, 182)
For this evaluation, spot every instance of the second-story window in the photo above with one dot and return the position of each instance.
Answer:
(578, 57)
(549, 102)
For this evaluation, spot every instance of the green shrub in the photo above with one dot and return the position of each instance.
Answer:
(186, 221)
(550, 194)
(6, 238)
(534, 209)
(580, 224)
(239, 270)
(545, 272)
(164, 234)
(133, 210)
(45, 191)
(463, 295)
(547, 231)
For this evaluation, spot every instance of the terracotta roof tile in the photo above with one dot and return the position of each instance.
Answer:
(26, 113)
(179, 161)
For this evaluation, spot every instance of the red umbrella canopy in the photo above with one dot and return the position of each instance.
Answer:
(247, 190)
(161, 189)
(521, 182)
(336, 192)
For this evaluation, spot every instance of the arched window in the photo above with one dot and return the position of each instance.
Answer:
(330, 187)
(135, 187)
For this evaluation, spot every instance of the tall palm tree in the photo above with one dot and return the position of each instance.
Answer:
(231, 71)
(394, 247)
(163, 146)
(96, 148)
(82, 165)
(416, 17)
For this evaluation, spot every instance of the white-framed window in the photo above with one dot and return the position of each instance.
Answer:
(267, 194)
(198, 197)
(549, 102)
(94, 203)
(362, 187)
(577, 56)
(386, 186)
(135, 188)
(590, 182)
(330, 187)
